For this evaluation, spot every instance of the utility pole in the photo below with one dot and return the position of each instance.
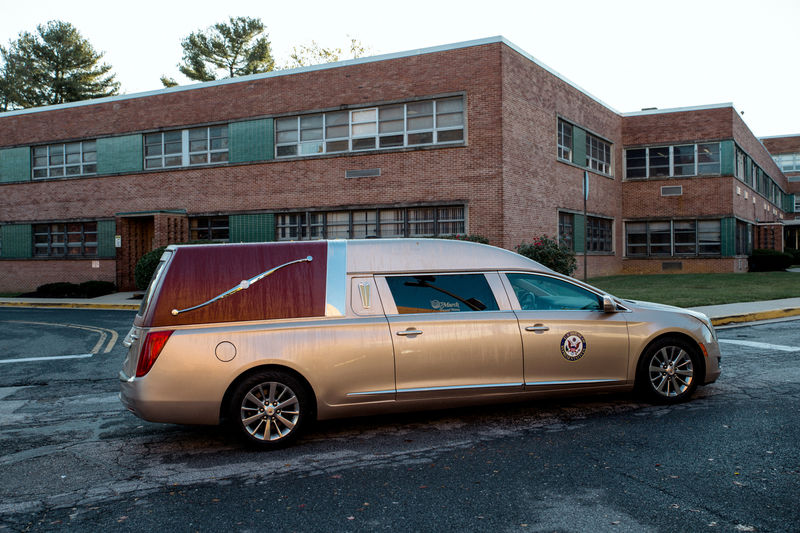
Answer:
(585, 236)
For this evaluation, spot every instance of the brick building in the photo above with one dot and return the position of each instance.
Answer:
(474, 137)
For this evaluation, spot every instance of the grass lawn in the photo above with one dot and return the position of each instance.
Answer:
(690, 290)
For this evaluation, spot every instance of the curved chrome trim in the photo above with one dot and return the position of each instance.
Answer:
(336, 279)
(244, 284)
(571, 382)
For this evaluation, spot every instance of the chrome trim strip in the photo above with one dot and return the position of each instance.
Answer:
(366, 393)
(572, 382)
(336, 279)
(460, 387)
(244, 284)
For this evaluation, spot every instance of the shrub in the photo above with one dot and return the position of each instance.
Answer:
(795, 253)
(146, 267)
(61, 289)
(93, 289)
(763, 260)
(550, 253)
(472, 238)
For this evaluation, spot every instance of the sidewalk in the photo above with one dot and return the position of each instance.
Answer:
(719, 314)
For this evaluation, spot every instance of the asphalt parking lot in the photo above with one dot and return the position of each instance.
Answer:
(71, 457)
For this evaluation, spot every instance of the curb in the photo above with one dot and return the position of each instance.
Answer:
(73, 305)
(753, 317)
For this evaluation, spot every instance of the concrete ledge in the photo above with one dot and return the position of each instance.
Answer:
(753, 317)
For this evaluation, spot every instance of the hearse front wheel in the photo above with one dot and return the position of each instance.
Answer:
(668, 371)
(269, 409)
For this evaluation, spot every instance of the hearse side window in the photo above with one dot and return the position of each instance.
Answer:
(441, 293)
(537, 293)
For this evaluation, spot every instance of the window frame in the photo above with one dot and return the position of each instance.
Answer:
(60, 239)
(564, 148)
(700, 168)
(287, 146)
(85, 168)
(597, 146)
(211, 225)
(186, 153)
(715, 245)
(298, 225)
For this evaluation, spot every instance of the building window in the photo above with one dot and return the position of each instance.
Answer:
(65, 160)
(672, 238)
(564, 140)
(209, 229)
(788, 162)
(65, 239)
(598, 154)
(566, 230)
(599, 234)
(371, 223)
(744, 238)
(672, 161)
(429, 122)
(182, 148)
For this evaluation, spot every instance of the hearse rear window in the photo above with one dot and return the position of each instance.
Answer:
(441, 293)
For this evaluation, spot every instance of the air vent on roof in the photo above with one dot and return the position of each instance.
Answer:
(649, 108)
(365, 173)
(672, 190)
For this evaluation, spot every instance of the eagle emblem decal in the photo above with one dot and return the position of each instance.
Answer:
(573, 346)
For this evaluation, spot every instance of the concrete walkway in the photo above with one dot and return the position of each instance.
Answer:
(719, 314)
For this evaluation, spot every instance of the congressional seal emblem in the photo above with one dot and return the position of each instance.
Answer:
(573, 346)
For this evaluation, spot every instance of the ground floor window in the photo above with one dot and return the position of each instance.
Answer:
(65, 239)
(429, 221)
(744, 238)
(665, 238)
(599, 232)
(209, 229)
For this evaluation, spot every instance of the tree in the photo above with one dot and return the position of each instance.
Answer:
(53, 66)
(238, 48)
(314, 54)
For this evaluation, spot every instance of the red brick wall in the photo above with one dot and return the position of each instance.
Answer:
(535, 184)
(25, 275)
(702, 196)
(679, 127)
(744, 137)
(783, 145)
(690, 265)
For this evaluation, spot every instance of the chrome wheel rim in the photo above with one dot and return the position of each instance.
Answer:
(270, 411)
(671, 371)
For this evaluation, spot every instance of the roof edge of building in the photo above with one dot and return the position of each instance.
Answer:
(645, 112)
(787, 136)
(310, 68)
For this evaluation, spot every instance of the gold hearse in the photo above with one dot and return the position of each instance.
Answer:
(272, 336)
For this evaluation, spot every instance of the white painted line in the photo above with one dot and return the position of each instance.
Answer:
(49, 358)
(764, 345)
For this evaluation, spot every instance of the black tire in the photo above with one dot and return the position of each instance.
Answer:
(669, 371)
(270, 409)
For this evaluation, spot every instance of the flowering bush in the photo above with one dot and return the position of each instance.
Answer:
(550, 253)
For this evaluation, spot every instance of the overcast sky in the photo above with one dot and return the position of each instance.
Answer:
(629, 54)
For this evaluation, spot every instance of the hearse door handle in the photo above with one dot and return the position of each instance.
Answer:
(538, 328)
(409, 331)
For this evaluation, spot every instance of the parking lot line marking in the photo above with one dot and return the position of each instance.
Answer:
(48, 358)
(764, 345)
(104, 333)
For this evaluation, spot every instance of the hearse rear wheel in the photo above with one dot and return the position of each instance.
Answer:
(270, 409)
(668, 371)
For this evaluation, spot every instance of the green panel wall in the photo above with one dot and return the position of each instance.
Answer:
(252, 228)
(579, 233)
(119, 154)
(15, 164)
(17, 241)
(106, 230)
(578, 146)
(727, 158)
(252, 140)
(728, 237)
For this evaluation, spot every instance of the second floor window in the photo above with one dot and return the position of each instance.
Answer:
(598, 154)
(181, 148)
(564, 140)
(428, 122)
(65, 160)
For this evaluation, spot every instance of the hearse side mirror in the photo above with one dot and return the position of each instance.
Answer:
(608, 305)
